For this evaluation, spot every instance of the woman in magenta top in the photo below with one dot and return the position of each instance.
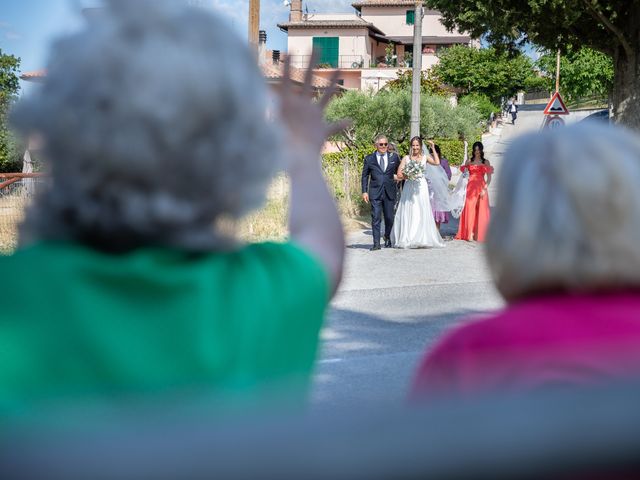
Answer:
(564, 251)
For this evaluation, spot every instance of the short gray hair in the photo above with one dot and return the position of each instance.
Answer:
(567, 217)
(155, 122)
(379, 137)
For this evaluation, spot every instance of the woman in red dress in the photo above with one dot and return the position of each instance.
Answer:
(476, 213)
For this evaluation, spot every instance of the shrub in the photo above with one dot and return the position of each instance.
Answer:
(481, 102)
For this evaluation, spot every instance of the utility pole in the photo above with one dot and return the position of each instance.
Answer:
(254, 22)
(558, 72)
(417, 70)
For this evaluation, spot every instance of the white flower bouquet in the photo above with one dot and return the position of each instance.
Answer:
(413, 170)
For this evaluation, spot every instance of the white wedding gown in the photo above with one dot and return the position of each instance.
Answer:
(414, 226)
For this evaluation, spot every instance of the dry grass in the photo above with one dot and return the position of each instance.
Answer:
(268, 223)
(11, 214)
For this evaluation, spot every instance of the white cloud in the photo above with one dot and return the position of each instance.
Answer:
(8, 32)
(11, 35)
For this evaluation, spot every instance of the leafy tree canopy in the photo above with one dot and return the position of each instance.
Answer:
(609, 26)
(9, 81)
(429, 83)
(485, 71)
(389, 112)
(552, 24)
(9, 88)
(584, 73)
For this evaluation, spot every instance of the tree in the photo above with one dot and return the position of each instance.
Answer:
(584, 73)
(430, 84)
(609, 26)
(484, 71)
(389, 111)
(9, 88)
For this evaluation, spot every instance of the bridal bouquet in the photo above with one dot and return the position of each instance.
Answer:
(413, 170)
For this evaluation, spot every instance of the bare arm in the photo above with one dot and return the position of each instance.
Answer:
(435, 159)
(400, 174)
(314, 222)
(489, 175)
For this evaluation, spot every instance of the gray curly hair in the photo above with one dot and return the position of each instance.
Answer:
(155, 123)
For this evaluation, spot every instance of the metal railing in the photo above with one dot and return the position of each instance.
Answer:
(16, 192)
(341, 61)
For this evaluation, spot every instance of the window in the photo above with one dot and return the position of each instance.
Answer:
(411, 17)
(329, 48)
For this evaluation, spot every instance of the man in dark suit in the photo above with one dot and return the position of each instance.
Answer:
(379, 189)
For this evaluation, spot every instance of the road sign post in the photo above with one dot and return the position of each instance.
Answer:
(556, 106)
(553, 122)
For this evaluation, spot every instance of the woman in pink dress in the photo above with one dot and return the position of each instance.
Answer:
(439, 216)
(474, 220)
(564, 251)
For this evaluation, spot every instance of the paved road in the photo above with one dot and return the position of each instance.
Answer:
(393, 304)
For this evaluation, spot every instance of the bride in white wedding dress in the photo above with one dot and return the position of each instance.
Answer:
(414, 226)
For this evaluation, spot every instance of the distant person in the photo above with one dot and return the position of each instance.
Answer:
(563, 252)
(379, 188)
(123, 285)
(513, 109)
(476, 213)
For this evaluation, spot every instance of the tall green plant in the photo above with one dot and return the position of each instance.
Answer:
(485, 71)
(609, 26)
(584, 72)
(9, 88)
(389, 113)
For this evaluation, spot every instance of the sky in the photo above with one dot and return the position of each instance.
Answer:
(27, 27)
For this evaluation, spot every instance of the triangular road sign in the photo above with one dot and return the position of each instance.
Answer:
(556, 106)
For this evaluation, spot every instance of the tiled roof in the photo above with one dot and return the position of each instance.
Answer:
(383, 3)
(269, 71)
(35, 76)
(357, 23)
(274, 72)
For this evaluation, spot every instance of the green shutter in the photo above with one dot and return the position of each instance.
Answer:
(329, 48)
(411, 17)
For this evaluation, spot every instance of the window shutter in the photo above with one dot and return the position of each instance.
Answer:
(329, 48)
(411, 17)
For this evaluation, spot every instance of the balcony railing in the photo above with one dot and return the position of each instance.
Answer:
(341, 61)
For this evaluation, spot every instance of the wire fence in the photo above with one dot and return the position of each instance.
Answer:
(16, 192)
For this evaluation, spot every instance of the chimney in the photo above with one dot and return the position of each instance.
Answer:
(275, 56)
(262, 45)
(296, 11)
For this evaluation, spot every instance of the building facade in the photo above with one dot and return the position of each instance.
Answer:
(368, 46)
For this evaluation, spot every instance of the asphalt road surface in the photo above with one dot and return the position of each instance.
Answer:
(394, 304)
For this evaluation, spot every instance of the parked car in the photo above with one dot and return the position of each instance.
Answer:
(599, 116)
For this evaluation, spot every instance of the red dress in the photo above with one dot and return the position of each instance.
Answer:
(476, 213)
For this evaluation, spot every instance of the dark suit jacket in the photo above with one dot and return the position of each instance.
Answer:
(376, 182)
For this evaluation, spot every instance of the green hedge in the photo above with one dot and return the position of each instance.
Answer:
(333, 163)
(482, 103)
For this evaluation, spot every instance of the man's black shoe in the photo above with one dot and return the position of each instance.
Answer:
(375, 247)
(387, 243)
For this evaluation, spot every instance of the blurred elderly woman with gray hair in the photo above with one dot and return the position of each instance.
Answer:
(564, 251)
(155, 118)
